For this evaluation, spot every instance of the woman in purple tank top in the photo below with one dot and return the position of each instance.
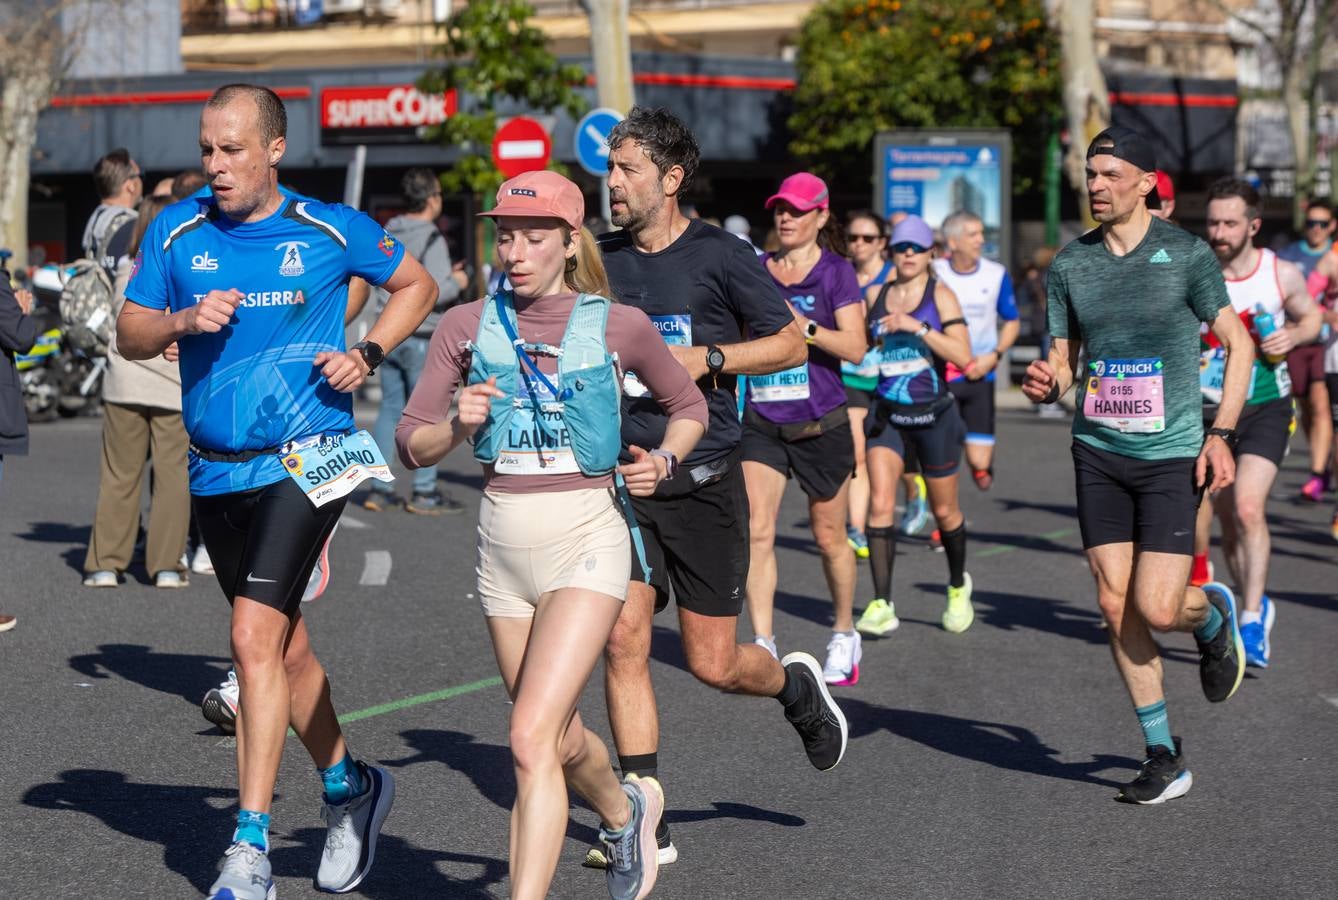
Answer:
(916, 326)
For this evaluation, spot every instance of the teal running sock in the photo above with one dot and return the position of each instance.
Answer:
(1156, 725)
(253, 828)
(1213, 624)
(342, 781)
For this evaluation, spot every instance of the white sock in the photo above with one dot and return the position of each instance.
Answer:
(1249, 618)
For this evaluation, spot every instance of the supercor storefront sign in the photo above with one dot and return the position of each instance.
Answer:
(381, 113)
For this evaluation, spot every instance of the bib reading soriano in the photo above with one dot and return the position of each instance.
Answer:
(252, 385)
(1138, 316)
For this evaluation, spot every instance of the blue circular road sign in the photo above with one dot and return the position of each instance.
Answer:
(592, 135)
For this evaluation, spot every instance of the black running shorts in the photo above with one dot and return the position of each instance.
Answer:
(820, 464)
(697, 542)
(264, 542)
(857, 398)
(1264, 429)
(1305, 365)
(936, 448)
(975, 401)
(1151, 503)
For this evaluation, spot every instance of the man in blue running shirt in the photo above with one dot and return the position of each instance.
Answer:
(250, 283)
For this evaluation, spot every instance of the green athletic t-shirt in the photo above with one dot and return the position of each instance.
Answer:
(1138, 317)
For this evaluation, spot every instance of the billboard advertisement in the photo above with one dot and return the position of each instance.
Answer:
(931, 173)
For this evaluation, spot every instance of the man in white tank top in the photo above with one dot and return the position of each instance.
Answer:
(985, 292)
(1270, 296)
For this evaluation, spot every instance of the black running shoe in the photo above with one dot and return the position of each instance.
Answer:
(1163, 777)
(1222, 659)
(815, 715)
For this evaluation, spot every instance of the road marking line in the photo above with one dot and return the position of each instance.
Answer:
(351, 522)
(433, 697)
(1333, 700)
(1009, 548)
(375, 568)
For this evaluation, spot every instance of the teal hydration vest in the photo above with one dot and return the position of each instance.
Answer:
(580, 411)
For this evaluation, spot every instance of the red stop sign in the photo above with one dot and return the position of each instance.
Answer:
(521, 145)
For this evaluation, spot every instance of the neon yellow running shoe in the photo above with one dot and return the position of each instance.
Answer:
(878, 619)
(959, 614)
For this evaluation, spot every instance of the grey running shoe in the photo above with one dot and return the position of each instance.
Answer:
(220, 704)
(1164, 776)
(434, 504)
(350, 843)
(631, 871)
(815, 715)
(244, 875)
(1221, 659)
(664, 844)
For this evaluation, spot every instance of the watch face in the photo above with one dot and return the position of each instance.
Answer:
(715, 359)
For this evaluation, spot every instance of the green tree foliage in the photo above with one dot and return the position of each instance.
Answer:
(494, 55)
(867, 66)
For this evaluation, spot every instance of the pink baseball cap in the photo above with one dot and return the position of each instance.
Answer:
(803, 190)
(544, 194)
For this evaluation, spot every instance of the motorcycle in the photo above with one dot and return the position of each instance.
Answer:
(56, 378)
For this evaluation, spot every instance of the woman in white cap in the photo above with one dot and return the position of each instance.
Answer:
(916, 324)
(539, 365)
(795, 423)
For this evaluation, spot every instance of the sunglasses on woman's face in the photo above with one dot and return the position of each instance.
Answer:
(863, 238)
(909, 247)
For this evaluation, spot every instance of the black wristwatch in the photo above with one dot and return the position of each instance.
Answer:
(715, 360)
(810, 331)
(1228, 436)
(372, 354)
(670, 461)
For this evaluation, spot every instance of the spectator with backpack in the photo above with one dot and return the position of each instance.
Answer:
(417, 230)
(120, 186)
(141, 420)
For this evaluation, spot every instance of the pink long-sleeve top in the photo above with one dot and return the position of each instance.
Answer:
(629, 334)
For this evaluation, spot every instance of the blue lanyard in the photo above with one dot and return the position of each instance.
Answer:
(519, 346)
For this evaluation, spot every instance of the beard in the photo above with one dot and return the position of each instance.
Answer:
(1227, 251)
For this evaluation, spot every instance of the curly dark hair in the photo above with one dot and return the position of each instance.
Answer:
(665, 139)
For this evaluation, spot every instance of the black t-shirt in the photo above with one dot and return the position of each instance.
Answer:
(707, 287)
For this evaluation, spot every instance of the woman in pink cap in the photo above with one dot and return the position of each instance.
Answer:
(540, 367)
(795, 422)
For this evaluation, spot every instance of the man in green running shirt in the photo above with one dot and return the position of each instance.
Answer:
(1133, 293)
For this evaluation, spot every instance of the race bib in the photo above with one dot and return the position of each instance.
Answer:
(537, 441)
(1212, 375)
(791, 384)
(328, 467)
(1126, 395)
(677, 332)
(866, 368)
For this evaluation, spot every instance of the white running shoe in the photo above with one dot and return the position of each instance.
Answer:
(350, 843)
(244, 875)
(220, 704)
(844, 652)
(768, 644)
(201, 564)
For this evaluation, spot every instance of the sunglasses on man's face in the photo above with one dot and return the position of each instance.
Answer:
(863, 238)
(1318, 223)
(909, 247)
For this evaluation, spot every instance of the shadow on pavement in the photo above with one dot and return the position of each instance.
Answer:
(488, 766)
(1064, 511)
(1012, 612)
(1317, 600)
(813, 609)
(184, 675)
(177, 816)
(401, 870)
(473, 480)
(743, 811)
(61, 533)
(1020, 542)
(993, 743)
(666, 646)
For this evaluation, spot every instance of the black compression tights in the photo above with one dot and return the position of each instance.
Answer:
(882, 552)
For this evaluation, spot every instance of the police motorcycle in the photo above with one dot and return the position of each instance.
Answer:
(56, 378)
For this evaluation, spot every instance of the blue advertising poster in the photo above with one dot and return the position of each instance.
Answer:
(932, 175)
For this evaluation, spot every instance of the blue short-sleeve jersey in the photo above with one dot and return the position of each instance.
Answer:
(253, 385)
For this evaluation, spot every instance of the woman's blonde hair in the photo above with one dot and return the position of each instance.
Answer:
(585, 271)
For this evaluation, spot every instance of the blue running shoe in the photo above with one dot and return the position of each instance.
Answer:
(858, 542)
(916, 516)
(1255, 635)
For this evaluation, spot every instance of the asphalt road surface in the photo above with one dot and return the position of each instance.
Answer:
(980, 765)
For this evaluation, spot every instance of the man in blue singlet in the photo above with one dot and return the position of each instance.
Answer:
(250, 282)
